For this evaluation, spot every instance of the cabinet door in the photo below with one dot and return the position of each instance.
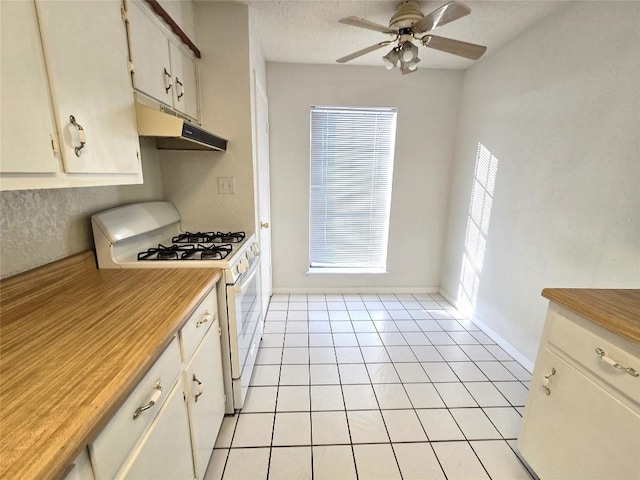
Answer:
(205, 397)
(579, 431)
(150, 55)
(164, 452)
(185, 94)
(86, 53)
(27, 119)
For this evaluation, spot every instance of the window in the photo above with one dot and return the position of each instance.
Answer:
(350, 195)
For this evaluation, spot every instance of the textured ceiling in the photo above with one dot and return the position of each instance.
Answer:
(307, 31)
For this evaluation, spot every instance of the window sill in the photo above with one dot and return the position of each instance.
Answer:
(347, 271)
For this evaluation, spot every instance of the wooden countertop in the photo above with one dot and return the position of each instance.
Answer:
(74, 342)
(615, 310)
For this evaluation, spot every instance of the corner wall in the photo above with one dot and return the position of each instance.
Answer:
(191, 178)
(559, 107)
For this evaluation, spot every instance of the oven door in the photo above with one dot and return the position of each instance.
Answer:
(245, 329)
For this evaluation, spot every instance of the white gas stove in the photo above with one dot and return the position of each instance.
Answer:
(149, 235)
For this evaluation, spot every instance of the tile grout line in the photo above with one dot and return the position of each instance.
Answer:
(275, 407)
(403, 334)
(344, 402)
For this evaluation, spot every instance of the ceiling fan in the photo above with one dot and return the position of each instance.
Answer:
(408, 24)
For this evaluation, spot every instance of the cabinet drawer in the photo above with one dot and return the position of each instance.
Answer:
(579, 343)
(119, 437)
(579, 431)
(198, 325)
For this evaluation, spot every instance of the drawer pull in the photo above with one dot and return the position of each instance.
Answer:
(602, 354)
(199, 387)
(547, 380)
(205, 318)
(155, 396)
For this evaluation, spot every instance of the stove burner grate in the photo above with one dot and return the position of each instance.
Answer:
(209, 237)
(186, 252)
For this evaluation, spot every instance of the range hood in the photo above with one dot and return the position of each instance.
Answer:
(174, 133)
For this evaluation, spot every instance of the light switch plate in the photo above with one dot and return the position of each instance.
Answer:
(226, 185)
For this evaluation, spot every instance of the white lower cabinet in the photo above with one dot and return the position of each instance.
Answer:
(81, 467)
(167, 427)
(582, 419)
(205, 397)
(164, 452)
(114, 445)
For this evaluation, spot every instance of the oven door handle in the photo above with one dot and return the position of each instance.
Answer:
(239, 289)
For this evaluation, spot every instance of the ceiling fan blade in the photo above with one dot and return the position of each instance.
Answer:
(364, 51)
(362, 23)
(441, 16)
(456, 47)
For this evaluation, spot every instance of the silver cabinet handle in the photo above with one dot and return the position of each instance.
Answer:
(198, 386)
(602, 354)
(547, 380)
(167, 81)
(206, 317)
(155, 396)
(82, 136)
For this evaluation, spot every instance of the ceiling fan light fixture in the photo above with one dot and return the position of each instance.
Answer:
(412, 65)
(408, 24)
(409, 52)
(391, 59)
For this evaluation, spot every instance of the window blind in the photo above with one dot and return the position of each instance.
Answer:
(350, 187)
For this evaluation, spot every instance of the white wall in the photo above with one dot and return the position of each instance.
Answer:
(559, 107)
(41, 226)
(427, 103)
(191, 178)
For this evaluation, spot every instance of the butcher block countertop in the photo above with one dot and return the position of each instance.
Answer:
(615, 310)
(74, 342)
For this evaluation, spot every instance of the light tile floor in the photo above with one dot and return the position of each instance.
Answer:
(375, 387)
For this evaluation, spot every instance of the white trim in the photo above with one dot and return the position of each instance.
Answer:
(355, 290)
(345, 271)
(506, 346)
(447, 297)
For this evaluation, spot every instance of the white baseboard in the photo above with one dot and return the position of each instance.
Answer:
(506, 346)
(356, 290)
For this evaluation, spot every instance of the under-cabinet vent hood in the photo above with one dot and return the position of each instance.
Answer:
(174, 133)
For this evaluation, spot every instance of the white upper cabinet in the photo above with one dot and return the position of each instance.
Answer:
(185, 92)
(162, 68)
(68, 114)
(86, 54)
(150, 55)
(27, 120)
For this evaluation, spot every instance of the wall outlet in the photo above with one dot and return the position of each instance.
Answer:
(226, 185)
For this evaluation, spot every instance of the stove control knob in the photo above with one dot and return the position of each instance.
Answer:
(241, 267)
(250, 254)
